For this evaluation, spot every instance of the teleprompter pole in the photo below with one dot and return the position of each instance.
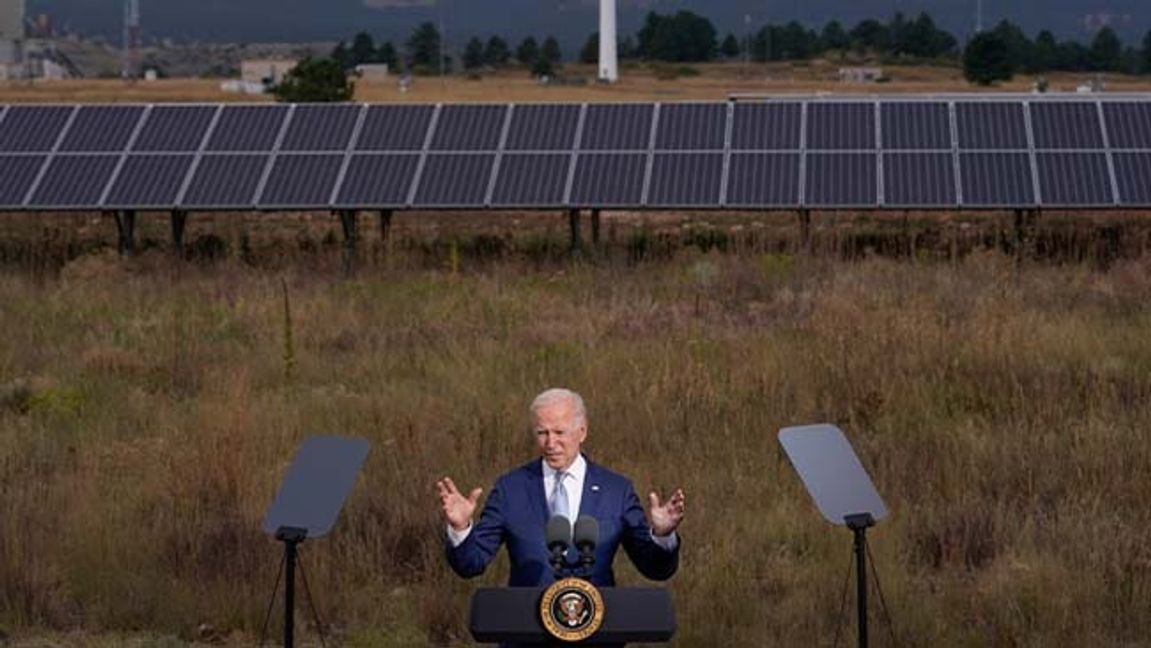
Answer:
(859, 524)
(291, 537)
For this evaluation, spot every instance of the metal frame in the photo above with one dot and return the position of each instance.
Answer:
(1025, 102)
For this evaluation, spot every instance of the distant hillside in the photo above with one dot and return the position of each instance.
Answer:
(570, 20)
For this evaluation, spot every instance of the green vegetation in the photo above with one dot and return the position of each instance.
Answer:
(987, 59)
(315, 80)
(1004, 407)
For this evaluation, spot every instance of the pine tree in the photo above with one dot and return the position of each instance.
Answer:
(315, 80)
(474, 54)
(496, 52)
(590, 52)
(987, 59)
(730, 48)
(528, 52)
(551, 50)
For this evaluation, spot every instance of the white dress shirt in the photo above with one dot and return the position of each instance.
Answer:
(573, 483)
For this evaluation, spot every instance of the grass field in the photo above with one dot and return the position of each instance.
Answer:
(148, 410)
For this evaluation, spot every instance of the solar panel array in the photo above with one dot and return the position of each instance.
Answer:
(979, 152)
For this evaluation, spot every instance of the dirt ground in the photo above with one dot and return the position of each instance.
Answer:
(710, 82)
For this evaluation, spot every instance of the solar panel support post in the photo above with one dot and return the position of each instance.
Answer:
(386, 228)
(126, 230)
(574, 225)
(595, 227)
(1022, 224)
(348, 221)
(179, 220)
(804, 230)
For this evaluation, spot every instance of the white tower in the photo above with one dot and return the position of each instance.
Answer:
(608, 61)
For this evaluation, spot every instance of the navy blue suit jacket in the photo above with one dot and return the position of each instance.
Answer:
(516, 513)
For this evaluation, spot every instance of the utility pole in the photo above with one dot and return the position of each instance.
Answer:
(131, 63)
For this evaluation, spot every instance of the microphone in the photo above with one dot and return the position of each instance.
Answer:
(586, 537)
(558, 533)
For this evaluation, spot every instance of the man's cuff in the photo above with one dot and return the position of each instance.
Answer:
(456, 538)
(668, 542)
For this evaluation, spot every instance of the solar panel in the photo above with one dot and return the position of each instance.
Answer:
(18, 173)
(1066, 125)
(532, 179)
(686, 127)
(617, 127)
(74, 181)
(685, 179)
(395, 128)
(225, 181)
(28, 129)
(247, 128)
(1074, 179)
(102, 128)
(763, 179)
(455, 180)
(840, 126)
(917, 126)
(1128, 124)
(609, 180)
(374, 180)
(149, 181)
(842, 179)
(301, 181)
(175, 129)
(996, 179)
(321, 128)
(543, 127)
(469, 128)
(1133, 174)
(766, 126)
(991, 125)
(918, 179)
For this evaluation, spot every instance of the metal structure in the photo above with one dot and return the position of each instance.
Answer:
(132, 61)
(608, 61)
(966, 152)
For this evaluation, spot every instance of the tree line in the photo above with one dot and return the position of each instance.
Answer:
(687, 37)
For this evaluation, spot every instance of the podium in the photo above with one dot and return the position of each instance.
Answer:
(512, 615)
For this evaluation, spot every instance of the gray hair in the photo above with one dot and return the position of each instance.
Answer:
(560, 395)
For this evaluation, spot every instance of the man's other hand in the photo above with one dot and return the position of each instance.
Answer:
(666, 516)
(457, 509)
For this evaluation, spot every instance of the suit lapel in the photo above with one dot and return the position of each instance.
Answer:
(592, 489)
(536, 491)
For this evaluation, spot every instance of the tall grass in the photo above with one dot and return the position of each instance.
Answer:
(146, 417)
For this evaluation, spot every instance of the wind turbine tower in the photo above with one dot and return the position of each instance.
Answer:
(608, 60)
(131, 63)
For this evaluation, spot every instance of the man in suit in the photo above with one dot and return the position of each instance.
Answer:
(561, 482)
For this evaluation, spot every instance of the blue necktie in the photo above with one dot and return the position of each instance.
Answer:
(559, 502)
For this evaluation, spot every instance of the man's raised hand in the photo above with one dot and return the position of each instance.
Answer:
(666, 516)
(455, 507)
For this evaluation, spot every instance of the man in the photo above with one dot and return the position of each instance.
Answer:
(562, 482)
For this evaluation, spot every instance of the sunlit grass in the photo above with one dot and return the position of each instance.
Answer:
(147, 414)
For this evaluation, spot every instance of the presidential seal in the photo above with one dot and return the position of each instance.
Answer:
(571, 609)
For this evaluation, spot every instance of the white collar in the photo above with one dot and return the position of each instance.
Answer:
(578, 470)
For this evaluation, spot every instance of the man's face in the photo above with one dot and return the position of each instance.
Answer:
(559, 434)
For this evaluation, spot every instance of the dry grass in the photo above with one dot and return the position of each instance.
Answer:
(146, 417)
(639, 83)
